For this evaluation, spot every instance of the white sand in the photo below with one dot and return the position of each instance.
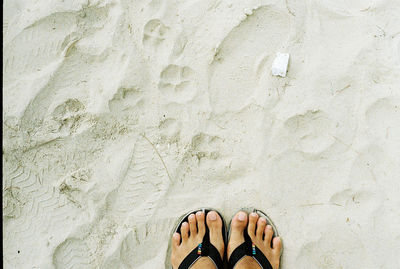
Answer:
(119, 116)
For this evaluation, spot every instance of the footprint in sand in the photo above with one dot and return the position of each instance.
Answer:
(170, 129)
(126, 99)
(72, 253)
(383, 118)
(154, 32)
(311, 132)
(69, 115)
(332, 249)
(233, 72)
(143, 183)
(176, 83)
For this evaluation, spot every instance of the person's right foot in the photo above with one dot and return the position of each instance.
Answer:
(192, 234)
(261, 235)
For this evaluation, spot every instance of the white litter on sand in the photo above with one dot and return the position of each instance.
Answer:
(280, 64)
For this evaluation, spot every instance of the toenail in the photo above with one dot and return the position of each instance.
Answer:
(176, 235)
(263, 220)
(199, 213)
(269, 227)
(191, 217)
(241, 216)
(213, 215)
(254, 214)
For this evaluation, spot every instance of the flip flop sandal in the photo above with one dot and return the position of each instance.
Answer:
(247, 248)
(205, 248)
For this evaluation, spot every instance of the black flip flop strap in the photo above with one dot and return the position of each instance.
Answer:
(238, 254)
(246, 249)
(189, 259)
(208, 250)
(261, 259)
(214, 255)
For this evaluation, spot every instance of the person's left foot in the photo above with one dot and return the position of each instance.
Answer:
(190, 240)
(261, 235)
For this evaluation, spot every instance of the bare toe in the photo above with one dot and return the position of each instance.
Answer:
(201, 226)
(214, 223)
(277, 245)
(192, 225)
(176, 240)
(251, 228)
(261, 223)
(238, 226)
(185, 231)
(268, 233)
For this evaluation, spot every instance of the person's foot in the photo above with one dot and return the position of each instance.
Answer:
(261, 235)
(192, 234)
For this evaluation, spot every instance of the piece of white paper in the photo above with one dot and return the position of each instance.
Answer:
(280, 64)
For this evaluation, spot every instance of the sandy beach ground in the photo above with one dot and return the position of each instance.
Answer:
(120, 116)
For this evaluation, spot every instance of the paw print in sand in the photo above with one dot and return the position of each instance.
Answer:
(154, 32)
(177, 82)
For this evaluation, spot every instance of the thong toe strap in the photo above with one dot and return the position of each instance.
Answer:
(204, 249)
(249, 249)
